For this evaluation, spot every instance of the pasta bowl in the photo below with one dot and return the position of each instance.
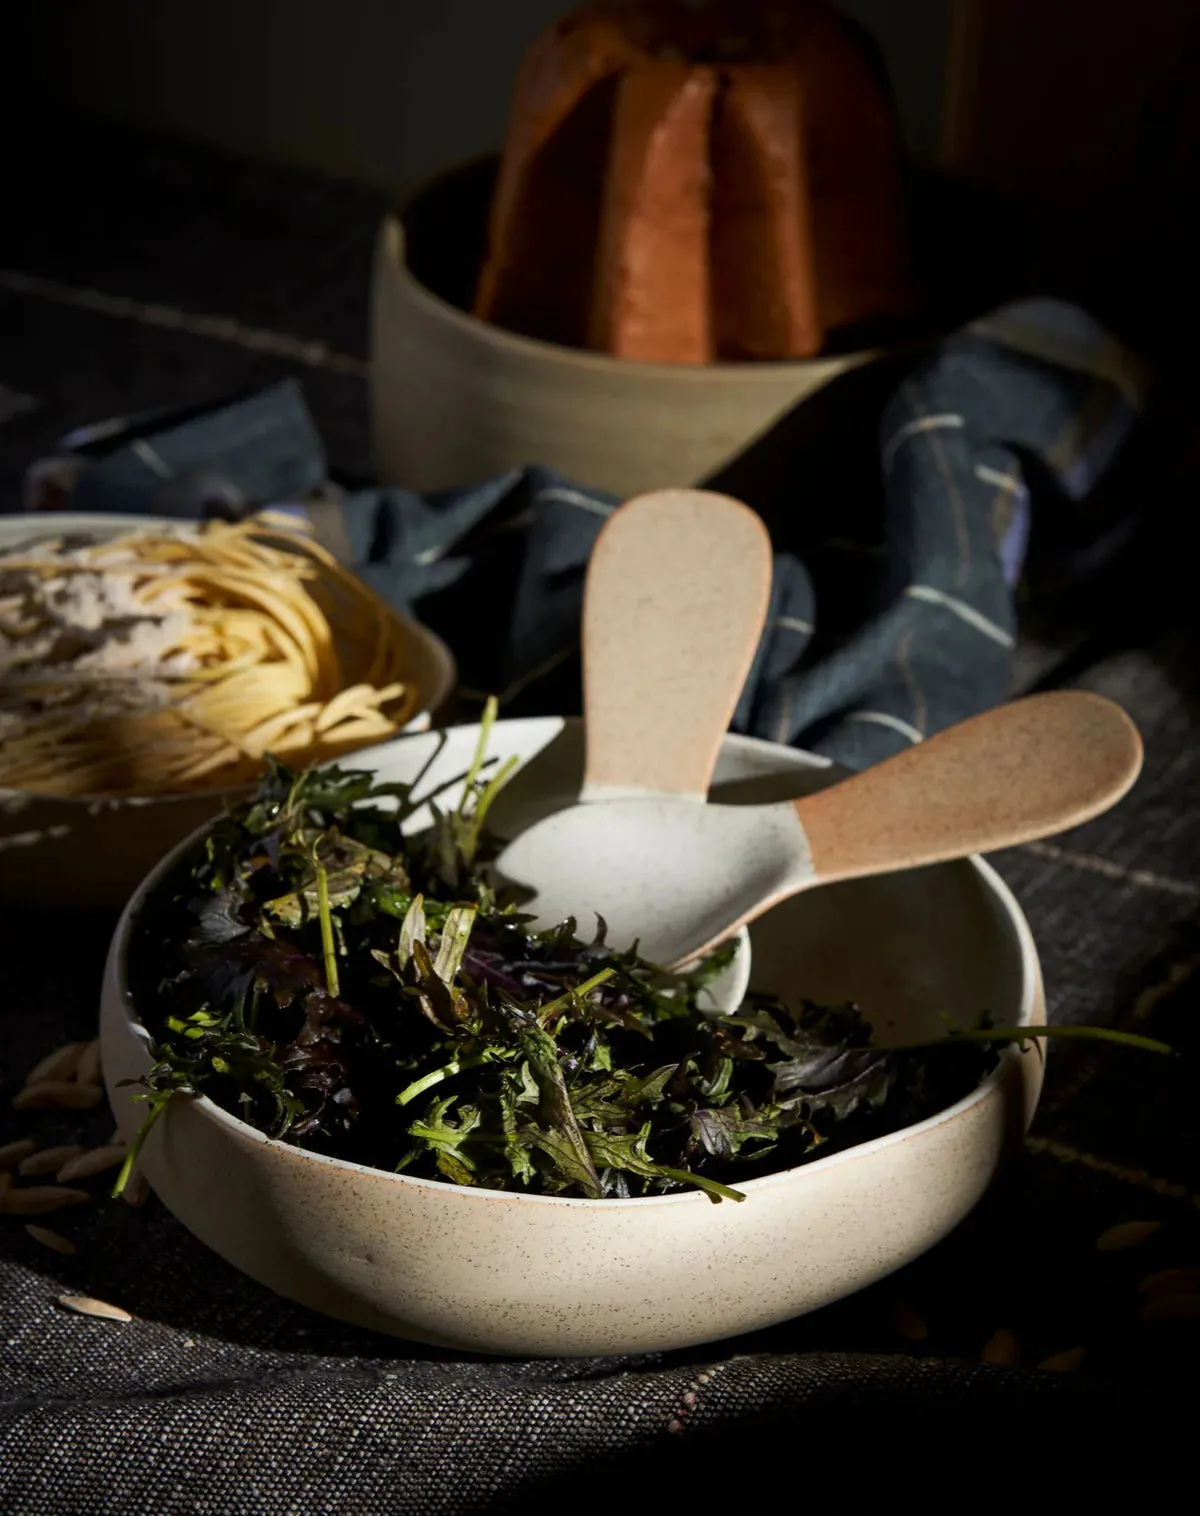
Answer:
(509, 1273)
(86, 851)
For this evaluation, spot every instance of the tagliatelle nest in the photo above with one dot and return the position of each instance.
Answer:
(162, 661)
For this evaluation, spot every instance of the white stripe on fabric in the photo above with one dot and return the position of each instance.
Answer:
(962, 610)
(566, 496)
(1006, 482)
(1141, 879)
(313, 354)
(881, 718)
(950, 421)
(794, 624)
(151, 459)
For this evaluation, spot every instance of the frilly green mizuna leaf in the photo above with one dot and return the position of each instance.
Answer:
(365, 994)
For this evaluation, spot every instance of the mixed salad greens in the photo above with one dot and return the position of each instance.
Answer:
(365, 994)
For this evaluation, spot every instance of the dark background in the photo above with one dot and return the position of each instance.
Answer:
(382, 91)
(1080, 117)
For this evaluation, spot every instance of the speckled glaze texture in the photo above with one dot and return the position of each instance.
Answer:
(675, 600)
(680, 879)
(528, 1275)
(67, 854)
(1010, 775)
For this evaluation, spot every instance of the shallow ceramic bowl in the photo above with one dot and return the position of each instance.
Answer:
(518, 1274)
(89, 854)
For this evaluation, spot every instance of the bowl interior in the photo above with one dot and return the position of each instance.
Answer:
(510, 1273)
(910, 948)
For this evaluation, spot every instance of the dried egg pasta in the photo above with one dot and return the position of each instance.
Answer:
(162, 661)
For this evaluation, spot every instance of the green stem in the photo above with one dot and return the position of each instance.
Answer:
(1032, 1033)
(157, 1106)
(447, 1071)
(327, 943)
(553, 1007)
(482, 805)
(407, 808)
(486, 722)
(711, 1188)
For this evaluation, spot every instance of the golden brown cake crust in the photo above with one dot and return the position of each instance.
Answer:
(763, 276)
(690, 180)
(652, 298)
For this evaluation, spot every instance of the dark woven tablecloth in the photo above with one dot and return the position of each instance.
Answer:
(219, 1397)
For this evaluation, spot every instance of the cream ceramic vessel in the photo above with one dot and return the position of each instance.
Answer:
(514, 1274)
(455, 400)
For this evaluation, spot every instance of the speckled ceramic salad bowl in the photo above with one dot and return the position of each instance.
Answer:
(515, 1274)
